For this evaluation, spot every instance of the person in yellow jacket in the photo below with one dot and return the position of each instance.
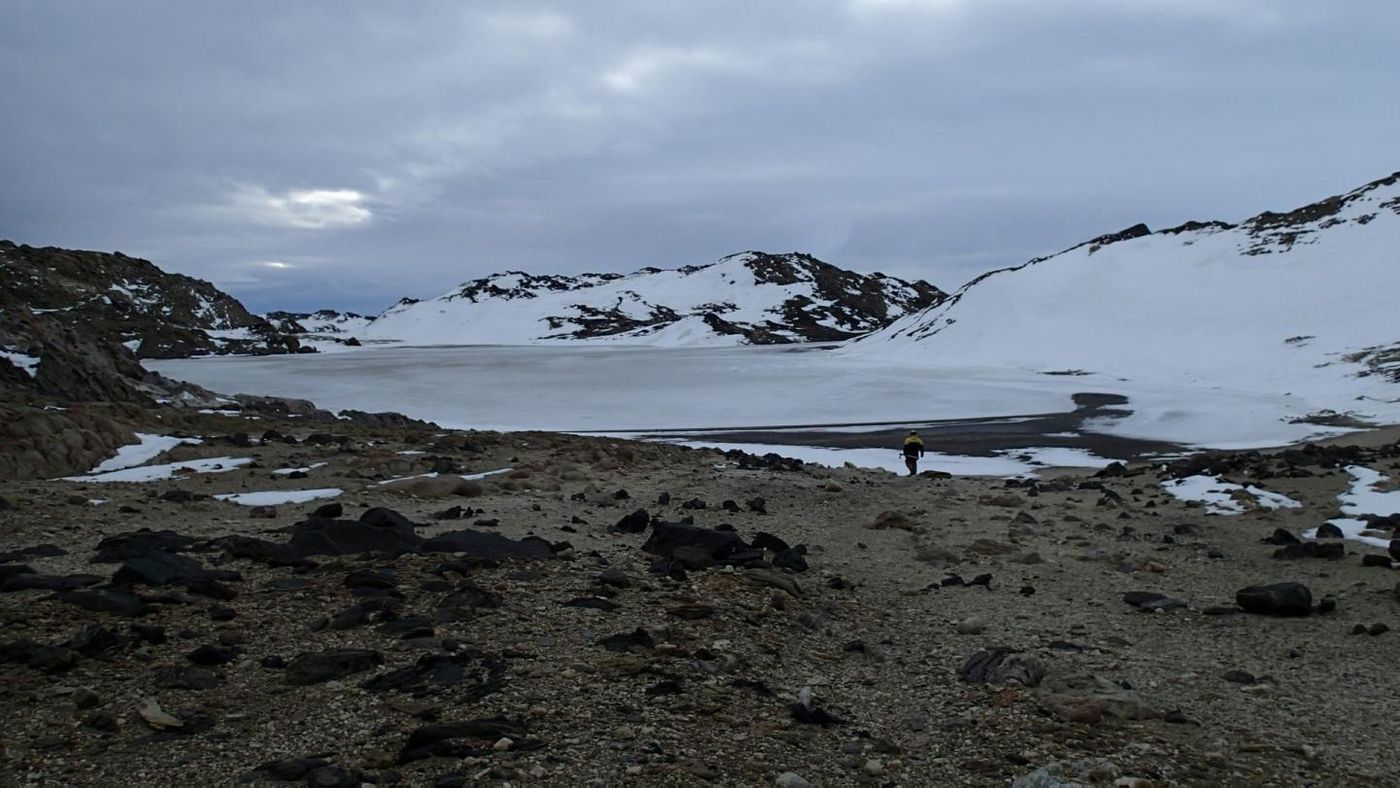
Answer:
(913, 450)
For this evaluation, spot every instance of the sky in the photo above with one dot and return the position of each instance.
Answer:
(348, 153)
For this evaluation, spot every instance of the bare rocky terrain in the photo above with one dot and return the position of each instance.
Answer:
(530, 627)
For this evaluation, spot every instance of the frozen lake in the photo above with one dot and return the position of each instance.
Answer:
(612, 389)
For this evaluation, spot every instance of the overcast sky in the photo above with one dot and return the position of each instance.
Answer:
(344, 154)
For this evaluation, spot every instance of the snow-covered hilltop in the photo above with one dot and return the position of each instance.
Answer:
(1299, 304)
(752, 297)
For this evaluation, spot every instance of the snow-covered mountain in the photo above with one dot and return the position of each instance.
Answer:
(322, 321)
(1301, 303)
(750, 297)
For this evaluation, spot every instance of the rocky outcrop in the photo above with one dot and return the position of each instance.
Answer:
(39, 443)
(117, 299)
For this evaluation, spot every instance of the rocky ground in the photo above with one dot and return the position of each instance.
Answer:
(855, 627)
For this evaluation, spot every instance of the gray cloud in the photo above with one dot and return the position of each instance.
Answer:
(373, 150)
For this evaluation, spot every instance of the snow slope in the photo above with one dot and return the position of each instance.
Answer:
(750, 298)
(1294, 310)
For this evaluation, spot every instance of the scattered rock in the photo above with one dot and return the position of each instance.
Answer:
(1152, 602)
(1002, 666)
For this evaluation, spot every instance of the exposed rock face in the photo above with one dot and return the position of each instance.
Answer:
(752, 297)
(41, 444)
(116, 299)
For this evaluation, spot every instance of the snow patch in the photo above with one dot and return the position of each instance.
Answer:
(29, 364)
(306, 469)
(1222, 497)
(276, 497)
(1364, 498)
(154, 473)
(146, 449)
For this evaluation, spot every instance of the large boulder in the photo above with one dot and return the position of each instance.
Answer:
(1276, 599)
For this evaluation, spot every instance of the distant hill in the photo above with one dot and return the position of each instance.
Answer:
(752, 297)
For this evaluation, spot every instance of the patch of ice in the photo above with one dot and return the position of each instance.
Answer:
(146, 449)
(411, 451)
(1220, 497)
(276, 497)
(153, 473)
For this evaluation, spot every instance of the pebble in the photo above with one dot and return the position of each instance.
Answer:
(790, 780)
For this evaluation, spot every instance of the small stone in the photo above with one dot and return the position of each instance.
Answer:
(502, 744)
(790, 780)
(874, 767)
(156, 717)
(972, 626)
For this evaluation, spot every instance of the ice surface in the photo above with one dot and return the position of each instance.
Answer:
(152, 473)
(277, 497)
(148, 448)
(614, 389)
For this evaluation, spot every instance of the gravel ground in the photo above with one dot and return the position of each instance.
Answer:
(727, 675)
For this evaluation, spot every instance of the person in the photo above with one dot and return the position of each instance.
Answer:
(913, 450)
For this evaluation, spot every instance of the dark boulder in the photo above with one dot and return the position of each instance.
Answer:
(1276, 599)
(1329, 531)
(489, 546)
(141, 543)
(102, 600)
(383, 534)
(633, 523)
(323, 666)
(23, 581)
(1330, 550)
(668, 538)
(441, 739)
(1281, 536)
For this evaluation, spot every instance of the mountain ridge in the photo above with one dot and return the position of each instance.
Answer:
(744, 298)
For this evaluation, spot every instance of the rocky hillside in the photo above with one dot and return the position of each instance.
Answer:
(110, 297)
(753, 297)
(1296, 304)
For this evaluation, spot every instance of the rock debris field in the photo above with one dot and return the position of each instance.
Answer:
(538, 609)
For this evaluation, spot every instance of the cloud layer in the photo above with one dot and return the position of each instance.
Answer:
(376, 150)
